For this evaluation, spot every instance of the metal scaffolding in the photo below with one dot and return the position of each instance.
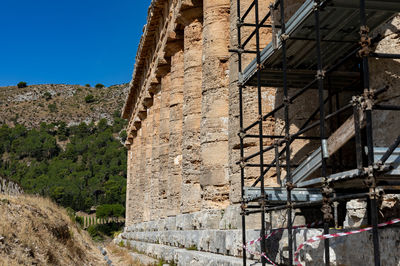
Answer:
(307, 51)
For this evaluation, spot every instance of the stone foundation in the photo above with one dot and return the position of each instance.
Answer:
(205, 238)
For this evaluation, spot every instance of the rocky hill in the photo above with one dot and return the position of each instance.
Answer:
(35, 231)
(50, 103)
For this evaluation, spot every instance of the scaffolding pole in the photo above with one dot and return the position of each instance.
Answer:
(367, 168)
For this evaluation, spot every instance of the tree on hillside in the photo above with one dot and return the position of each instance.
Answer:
(99, 86)
(89, 98)
(110, 211)
(90, 171)
(22, 84)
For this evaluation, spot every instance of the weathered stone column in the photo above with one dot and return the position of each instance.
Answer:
(148, 165)
(175, 132)
(155, 159)
(130, 188)
(142, 173)
(139, 161)
(215, 104)
(191, 161)
(164, 144)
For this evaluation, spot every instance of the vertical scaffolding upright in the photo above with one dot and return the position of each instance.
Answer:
(372, 172)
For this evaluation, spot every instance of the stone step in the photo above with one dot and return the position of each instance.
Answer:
(143, 259)
(181, 256)
(226, 242)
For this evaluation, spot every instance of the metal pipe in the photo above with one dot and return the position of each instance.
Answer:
(241, 139)
(357, 130)
(302, 131)
(304, 89)
(389, 152)
(374, 211)
(322, 131)
(245, 159)
(292, 138)
(270, 165)
(385, 56)
(261, 23)
(278, 166)
(287, 102)
(242, 51)
(280, 137)
(319, 202)
(247, 11)
(260, 129)
(386, 107)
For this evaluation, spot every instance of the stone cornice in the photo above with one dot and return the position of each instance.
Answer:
(151, 64)
(153, 19)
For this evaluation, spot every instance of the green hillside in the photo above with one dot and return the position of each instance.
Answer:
(77, 166)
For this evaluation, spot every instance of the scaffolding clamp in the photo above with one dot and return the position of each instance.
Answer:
(326, 190)
(368, 98)
(290, 186)
(375, 193)
(365, 42)
(277, 143)
(356, 101)
(243, 206)
(327, 210)
(320, 74)
(239, 22)
(287, 100)
(370, 179)
(242, 134)
(316, 5)
(284, 37)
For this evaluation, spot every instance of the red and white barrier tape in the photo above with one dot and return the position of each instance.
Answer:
(274, 231)
(327, 236)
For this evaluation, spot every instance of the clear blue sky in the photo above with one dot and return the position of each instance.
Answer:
(69, 41)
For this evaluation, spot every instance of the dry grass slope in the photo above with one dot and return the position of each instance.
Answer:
(35, 231)
(59, 102)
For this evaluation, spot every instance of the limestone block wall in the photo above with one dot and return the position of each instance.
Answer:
(178, 112)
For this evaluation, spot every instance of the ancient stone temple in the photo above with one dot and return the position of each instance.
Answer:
(193, 119)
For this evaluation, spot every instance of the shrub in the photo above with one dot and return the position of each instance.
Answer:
(117, 114)
(99, 86)
(110, 210)
(47, 96)
(89, 98)
(22, 84)
(123, 135)
(92, 230)
(79, 220)
(62, 138)
(52, 107)
(87, 85)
